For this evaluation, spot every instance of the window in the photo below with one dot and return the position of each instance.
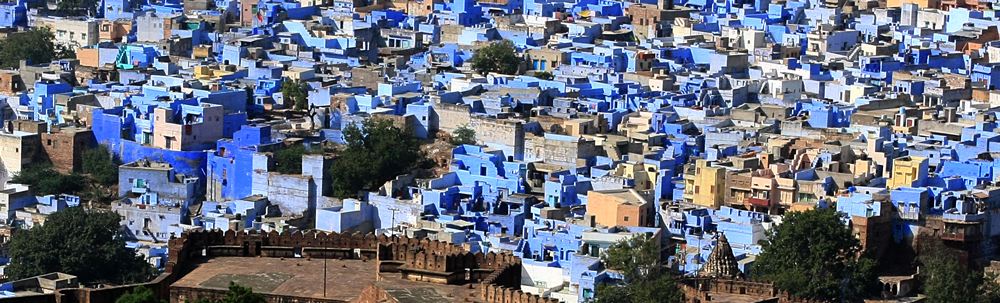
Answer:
(711, 190)
(253, 9)
(626, 218)
(697, 189)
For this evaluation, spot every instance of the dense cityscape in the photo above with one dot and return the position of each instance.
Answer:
(499, 151)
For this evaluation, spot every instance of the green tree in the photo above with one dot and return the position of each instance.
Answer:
(544, 75)
(241, 294)
(375, 153)
(81, 242)
(637, 259)
(499, 57)
(297, 92)
(289, 160)
(77, 7)
(45, 180)
(101, 165)
(140, 294)
(35, 45)
(463, 135)
(236, 294)
(946, 281)
(813, 255)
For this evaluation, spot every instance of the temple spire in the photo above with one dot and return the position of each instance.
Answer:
(722, 262)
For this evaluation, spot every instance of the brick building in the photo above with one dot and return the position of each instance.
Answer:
(62, 146)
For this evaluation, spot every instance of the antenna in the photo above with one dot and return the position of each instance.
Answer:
(393, 210)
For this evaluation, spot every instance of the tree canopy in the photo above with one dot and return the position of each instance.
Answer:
(85, 243)
(544, 75)
(637, 259)
(35, 45)
(140, 294)
(499, 57)
(289, 160)
(101, 165)
(945, 280)
(375, 153)
(236, 294)
(77, 7)
(813, 255)
(45, 180)
(463, 135)
(297, 92)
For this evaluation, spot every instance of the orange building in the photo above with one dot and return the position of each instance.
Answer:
(620, 207)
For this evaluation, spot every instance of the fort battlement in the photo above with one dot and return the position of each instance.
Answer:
(497, 274)
(703, 289)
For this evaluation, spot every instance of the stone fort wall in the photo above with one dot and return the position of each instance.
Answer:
(498, 275)
(704, 289)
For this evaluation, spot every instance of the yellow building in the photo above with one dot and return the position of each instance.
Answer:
(709, 185)
(644, 174)
(908, 171)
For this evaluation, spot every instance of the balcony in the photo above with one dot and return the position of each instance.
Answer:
(963, 218)
(908, 215)
(960, 237)
(759, 201)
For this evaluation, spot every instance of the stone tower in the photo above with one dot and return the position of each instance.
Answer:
(722, 262)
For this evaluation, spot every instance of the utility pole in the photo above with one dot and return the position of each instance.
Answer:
(393, 210)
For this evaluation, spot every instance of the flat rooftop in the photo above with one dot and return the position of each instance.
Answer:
(406, 291)
(299, 277)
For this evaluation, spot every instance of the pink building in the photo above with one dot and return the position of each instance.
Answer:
(194, 126)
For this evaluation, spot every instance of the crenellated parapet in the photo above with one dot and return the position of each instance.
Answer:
(425, 260)
(702, 289)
